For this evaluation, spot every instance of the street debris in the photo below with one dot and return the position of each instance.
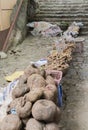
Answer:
(14, 76)
(73, 29)
(3, 55)
(39, 63)
(44, 29)
(6, 98)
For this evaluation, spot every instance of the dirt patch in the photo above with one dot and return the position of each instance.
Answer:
(32, 49)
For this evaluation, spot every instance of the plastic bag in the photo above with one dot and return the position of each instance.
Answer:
(44, 28)
(6, 98)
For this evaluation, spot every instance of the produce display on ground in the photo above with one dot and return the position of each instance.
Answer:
(35, 102)
(35, 96)
(60, 61)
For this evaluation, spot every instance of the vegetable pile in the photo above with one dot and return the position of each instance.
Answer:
(60, 61)
(35, 104)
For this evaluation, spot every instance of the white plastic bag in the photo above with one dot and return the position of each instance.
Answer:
(44, 28)
(6, 98)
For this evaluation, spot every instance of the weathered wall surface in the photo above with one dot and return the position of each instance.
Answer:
(26, 14)
(20, 30)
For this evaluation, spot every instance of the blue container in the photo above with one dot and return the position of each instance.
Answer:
(60, 95)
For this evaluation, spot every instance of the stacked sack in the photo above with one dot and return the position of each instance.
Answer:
(34, 105)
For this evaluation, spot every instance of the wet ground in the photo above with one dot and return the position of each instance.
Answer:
(75, 84)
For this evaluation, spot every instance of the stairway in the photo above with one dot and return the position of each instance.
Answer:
(67, 11)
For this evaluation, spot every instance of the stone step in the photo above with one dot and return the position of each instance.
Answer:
(50, 12)
(64, 9)
(57, 8)
(67, 18)
(67, 11)
(67, 22)
(84, 33)
(85, 24)
(84, 29)
(75, 1)
(62, 3)
(62, 15)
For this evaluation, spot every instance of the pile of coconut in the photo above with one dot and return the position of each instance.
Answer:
(35, 104)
